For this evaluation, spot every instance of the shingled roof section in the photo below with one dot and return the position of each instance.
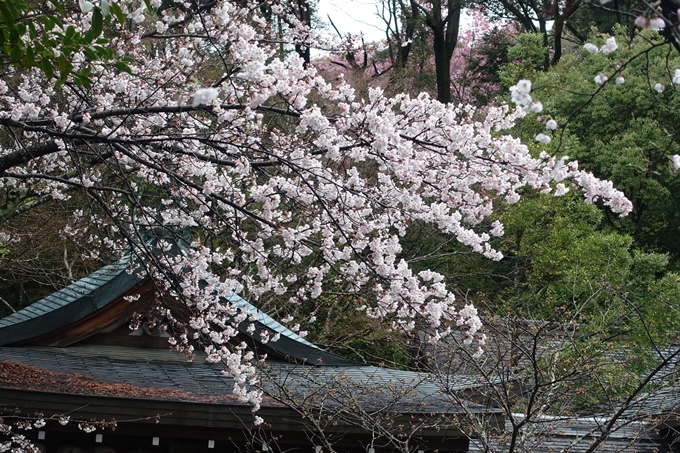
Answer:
(187, 380)
(577, 435)
(168, 376)
(70, 304)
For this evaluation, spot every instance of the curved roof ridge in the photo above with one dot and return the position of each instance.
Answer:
(86, 296)
(69, 304)
(267, 320)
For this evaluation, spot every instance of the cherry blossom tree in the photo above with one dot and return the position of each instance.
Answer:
(288, 184)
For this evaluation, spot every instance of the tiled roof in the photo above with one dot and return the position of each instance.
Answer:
(267, 321)
(72, 303)
(82, 288)
(577, 434)
(111, 282)
(371, 387)
(166, 370)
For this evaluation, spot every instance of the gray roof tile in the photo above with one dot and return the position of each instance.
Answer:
(371, 386)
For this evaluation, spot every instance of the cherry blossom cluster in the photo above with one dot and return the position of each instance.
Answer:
(288, 184)
(521, 95)
(650, 20)
(18, 443)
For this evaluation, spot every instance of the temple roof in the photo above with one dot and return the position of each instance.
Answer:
(70, 304)
(95, 302)
(76, 344)
(166, 375)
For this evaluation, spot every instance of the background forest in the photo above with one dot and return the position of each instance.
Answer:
(564, 258)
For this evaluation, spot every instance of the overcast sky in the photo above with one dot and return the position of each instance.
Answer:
(354, 16)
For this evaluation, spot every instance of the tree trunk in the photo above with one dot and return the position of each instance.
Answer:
(305, 16)
(445, 32)
(442, 64)
(560, 21)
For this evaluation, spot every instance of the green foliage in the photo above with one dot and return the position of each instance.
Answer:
(625, 133)
(341, 329)
(484, 64)
(34, 36)
(591, 16)
(526, 58)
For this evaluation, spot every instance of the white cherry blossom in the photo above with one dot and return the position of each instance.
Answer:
(609, 46)
(543, 138)
(292, 185)
(590, 47)
(204, 95)
(655, 23)
(676, 77)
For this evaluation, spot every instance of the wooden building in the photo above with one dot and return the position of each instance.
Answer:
(72, 355)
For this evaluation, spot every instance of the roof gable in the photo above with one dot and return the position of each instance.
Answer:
(97, 302)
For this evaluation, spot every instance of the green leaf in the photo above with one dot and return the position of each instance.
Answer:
(90, 54)
(14, 37)
(12, 7)
(85, 81)
(7, 17)
(64, 67)
(47, 21)
(58, 22)
(45, 39)
(101, 51)
(115, 9)
(28, 60)
(123, 67)
(31, 31)
(57, 6)
(96, 23)
(16, 54)
(105, 53)
(46, 66)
